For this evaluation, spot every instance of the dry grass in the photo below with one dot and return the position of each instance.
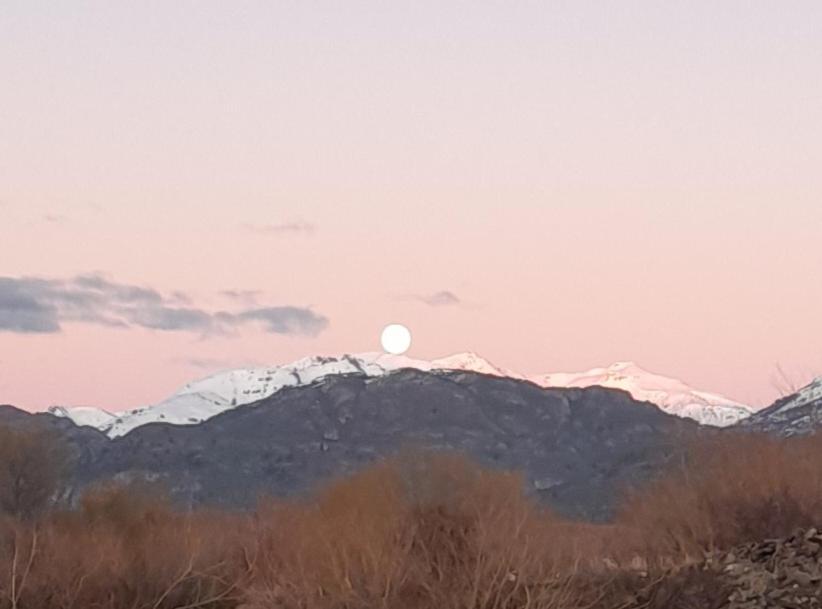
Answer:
(421, 531)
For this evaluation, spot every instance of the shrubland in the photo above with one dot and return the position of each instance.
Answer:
(417, 531)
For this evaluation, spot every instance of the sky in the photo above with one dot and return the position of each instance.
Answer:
(556, 185)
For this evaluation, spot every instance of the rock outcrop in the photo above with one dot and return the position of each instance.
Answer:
(775, 573)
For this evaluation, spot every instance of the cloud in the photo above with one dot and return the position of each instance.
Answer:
(285, 320)
(207, 363)
(443, 298)
(102, 287)
(247, 297)
(55, 219)
(30, 305)
(22, 312)
(285, 228)
(170, 319)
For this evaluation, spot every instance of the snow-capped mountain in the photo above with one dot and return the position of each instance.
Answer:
(799, 413)
(671, 395)
(205, 398)
(286, 444)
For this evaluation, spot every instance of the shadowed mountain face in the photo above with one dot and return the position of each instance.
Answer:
(577, 447)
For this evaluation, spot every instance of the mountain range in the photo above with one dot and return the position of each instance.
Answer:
(235, 436)
(202, 399)
(576, 447)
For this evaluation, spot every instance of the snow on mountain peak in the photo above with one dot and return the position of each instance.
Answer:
(671, 395)
(202, 399)
(471, 362)
(795, 414)
(809, 393)
(617, 366)
(84, 415)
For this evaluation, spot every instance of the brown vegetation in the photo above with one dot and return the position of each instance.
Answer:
(731, 489)
(421, 531)
(32, 471)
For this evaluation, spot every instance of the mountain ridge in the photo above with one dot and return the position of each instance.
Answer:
(201, 399)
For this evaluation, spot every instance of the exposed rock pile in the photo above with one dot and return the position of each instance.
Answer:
(781, 573)
(777, 573)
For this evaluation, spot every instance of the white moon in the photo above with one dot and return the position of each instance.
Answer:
(395, 339)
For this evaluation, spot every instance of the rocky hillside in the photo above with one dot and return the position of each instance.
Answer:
(796, 414)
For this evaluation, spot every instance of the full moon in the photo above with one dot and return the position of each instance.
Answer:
(395, 339)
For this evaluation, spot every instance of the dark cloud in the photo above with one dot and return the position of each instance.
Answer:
(285, 228)
(22, 312)
(443, 298)
(101, 288)
(35, 305)
(171, 318)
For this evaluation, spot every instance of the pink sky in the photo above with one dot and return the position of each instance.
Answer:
(593, 182)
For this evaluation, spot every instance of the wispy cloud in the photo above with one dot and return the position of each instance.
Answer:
(248, 297)
(443, 298)
(285, 228)
(37, 305)
(208, 363)
(58, 219)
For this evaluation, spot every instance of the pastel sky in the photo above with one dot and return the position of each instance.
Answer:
(555, 185)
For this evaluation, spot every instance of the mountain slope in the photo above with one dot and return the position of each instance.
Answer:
(577, 447)
(199, 400)
(796, 414)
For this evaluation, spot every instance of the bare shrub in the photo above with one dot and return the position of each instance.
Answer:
(422, 531)
(121, 550)
(733, 488)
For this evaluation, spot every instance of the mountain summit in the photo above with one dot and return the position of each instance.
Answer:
(671, 395)
(202, 399)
